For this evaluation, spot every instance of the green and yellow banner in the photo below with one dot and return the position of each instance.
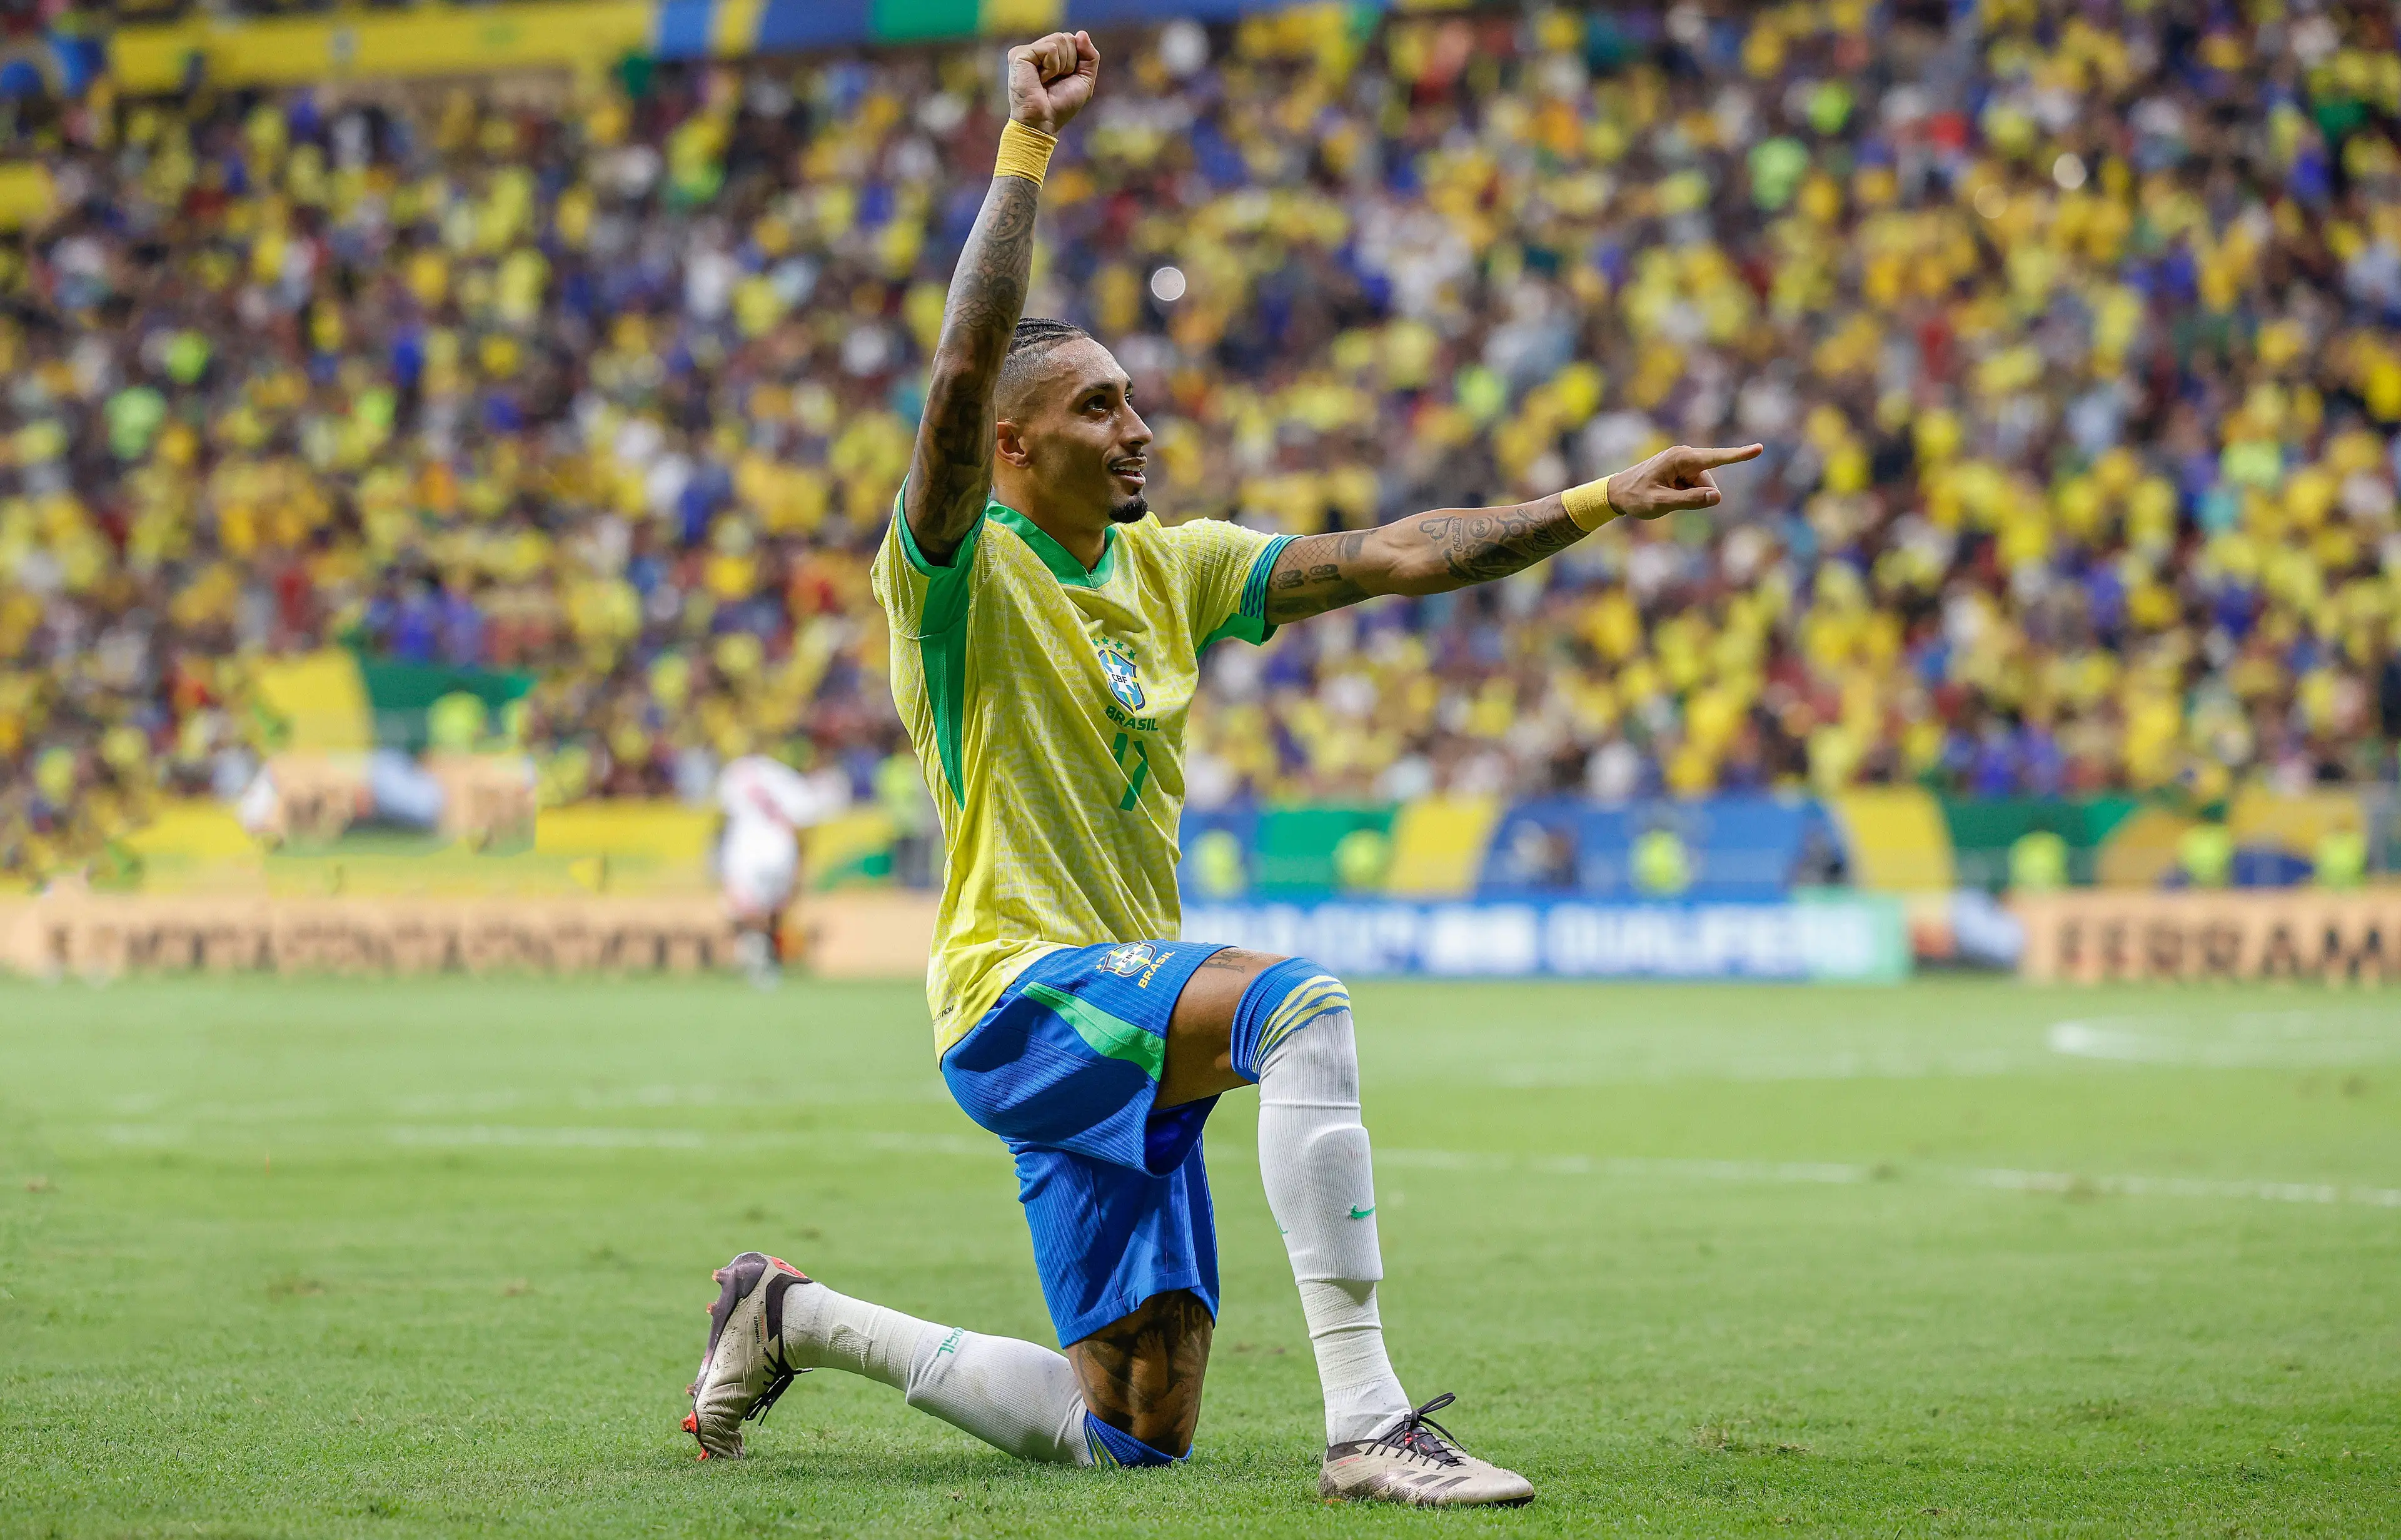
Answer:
(445, 39)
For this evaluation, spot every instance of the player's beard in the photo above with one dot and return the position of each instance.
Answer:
(1129, 511)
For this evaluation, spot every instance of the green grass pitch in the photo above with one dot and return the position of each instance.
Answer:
(1954, 1258)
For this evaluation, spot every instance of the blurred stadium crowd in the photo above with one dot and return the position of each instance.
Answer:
(2070, 328)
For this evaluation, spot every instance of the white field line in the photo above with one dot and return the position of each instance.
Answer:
(2182, 1186)
(447, 1136)
(680, 1140)
(1586, 1165)
(2287, 1039)
(1823, 1172)
(1774, 1172)
(481, 1134)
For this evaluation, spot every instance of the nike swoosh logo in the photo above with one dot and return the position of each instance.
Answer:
(1363, 1212)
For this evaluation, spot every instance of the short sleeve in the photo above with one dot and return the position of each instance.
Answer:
(921, 598)
(1226, 568)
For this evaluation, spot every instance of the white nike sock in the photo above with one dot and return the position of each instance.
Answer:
(1020, 1399)
(1315, 1164)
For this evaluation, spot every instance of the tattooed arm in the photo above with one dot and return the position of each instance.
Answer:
(1427, 554)
(950, 473)
(1454, 547)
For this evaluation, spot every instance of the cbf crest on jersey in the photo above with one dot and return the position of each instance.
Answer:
(1117, 662)
(1129, 959)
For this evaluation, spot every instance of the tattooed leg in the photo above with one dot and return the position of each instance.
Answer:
(1142, 1374)
(1284, 1023)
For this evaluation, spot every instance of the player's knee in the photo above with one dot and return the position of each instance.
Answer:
(1280, 1003)
(1153, 1441)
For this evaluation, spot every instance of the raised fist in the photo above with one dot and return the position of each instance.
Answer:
(1050, 79)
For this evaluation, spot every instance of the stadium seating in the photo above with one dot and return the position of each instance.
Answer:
(2071, 331)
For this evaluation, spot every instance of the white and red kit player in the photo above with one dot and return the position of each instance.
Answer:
(766, 803)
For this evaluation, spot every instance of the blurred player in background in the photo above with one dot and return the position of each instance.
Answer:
(1047, 632)
(765, 805)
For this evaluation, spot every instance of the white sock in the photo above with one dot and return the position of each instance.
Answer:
(1320, 1180)
(1020, 1399)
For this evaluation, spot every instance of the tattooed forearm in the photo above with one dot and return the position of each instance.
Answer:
(1141, 1375)
(1318, 574)
(951, 471)
(1480, 544)
(1429, 554)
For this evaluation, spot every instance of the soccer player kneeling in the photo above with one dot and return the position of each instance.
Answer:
(1047, 632)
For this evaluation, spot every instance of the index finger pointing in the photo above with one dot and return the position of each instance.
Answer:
(1711, 458)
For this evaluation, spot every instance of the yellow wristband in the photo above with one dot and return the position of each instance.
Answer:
(1589, 505)
(1023, 152)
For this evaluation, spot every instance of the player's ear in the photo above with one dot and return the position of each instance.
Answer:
(1010, 444)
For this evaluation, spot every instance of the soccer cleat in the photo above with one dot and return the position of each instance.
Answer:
(743, 1370)
(1420, 1464)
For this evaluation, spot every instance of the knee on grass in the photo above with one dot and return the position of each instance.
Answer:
(1113, 1447)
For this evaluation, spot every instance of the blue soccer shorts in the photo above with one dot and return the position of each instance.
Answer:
(1065, 1068)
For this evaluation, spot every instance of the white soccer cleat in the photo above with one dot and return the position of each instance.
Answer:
(1420, 1464)
(743, 1369)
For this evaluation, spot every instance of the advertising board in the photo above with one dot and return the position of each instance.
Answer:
(1851, 938)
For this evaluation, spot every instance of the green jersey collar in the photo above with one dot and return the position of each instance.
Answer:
(1063, 565)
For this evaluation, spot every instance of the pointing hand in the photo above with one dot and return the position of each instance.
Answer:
(1674, 480)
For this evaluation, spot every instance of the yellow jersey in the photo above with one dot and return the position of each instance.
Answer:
(1046, 702)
